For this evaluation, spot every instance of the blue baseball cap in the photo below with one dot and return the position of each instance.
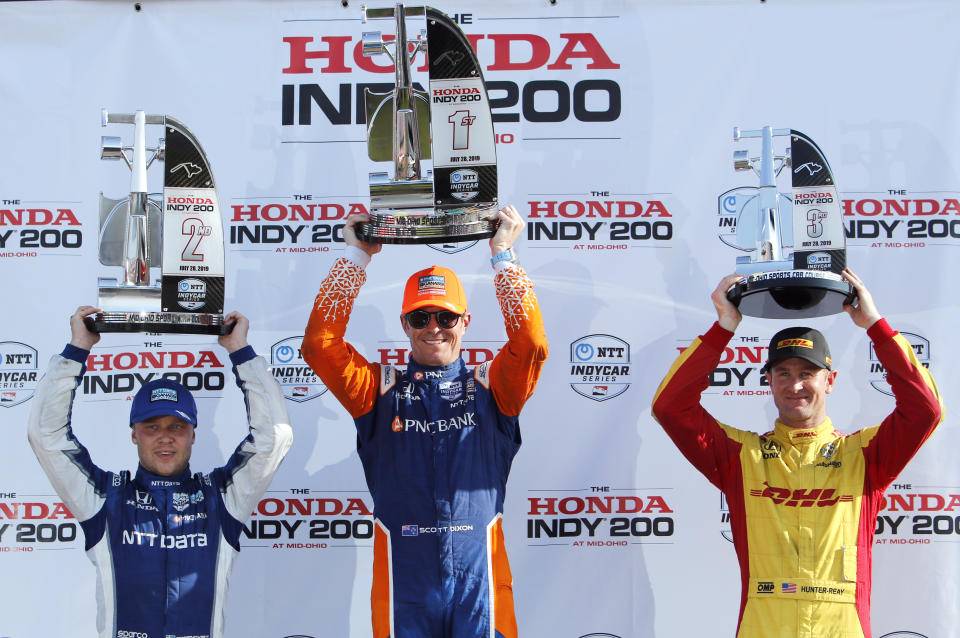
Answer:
(161, 397)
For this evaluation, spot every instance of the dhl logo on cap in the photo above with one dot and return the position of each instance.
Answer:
(788, 343)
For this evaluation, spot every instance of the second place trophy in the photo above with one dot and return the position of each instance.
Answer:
(180, 233)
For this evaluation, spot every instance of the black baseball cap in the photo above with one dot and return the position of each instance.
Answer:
(805, 343)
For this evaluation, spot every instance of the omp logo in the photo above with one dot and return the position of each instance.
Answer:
(297, 380)
(801, 498)
(18, 373)
(878, 375)
(764, 587)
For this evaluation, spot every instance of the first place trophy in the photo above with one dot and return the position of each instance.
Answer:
(780, 283)
(457, 200)
(181, 233)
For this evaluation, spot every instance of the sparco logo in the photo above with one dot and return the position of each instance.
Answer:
(28, 232)
(297, 379)
(878, 376)
(600, 366)
(18, 373)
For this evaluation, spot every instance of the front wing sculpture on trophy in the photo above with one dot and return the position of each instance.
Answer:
(182, 234)
(778, 283)
(458, 198)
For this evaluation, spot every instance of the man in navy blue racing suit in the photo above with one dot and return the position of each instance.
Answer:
(163, 540)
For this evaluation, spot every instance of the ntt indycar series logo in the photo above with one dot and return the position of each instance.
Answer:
(600, 366)
(877, 374)
(18, 373)
(191, 294)
(296, 378)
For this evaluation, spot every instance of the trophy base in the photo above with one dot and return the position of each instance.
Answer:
(165, 322)
(791, 294)
(427, 228)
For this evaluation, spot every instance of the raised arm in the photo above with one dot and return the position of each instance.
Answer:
(250, 469)
(676, 404)
(919, 407)
(516, 368)
(348, 375)
(79, 483)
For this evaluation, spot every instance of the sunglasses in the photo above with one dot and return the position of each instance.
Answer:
(420, 319)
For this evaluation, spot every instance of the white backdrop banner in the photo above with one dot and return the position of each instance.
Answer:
(614, 123)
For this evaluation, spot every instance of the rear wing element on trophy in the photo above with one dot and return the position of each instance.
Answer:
(779, 283)
(456, 200)
(181, 234)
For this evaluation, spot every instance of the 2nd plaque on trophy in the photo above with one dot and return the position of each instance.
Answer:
(450, 125)
(180, 233)
(796, 241)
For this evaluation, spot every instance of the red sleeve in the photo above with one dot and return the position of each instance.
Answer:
(676, 407)
(918, 410)
(516, 368)
(351, 378)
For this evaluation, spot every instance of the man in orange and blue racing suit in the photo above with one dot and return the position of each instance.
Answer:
(803, 497)
(436, 440)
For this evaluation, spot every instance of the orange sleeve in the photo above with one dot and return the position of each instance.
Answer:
(516, 368)
(351, 378)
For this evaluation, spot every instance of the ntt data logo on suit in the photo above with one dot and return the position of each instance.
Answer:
(296, 378)
(18, 373)
(877, 374)
(600, 366)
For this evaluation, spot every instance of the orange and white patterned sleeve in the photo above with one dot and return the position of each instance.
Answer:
(348, 375)
(516, 368)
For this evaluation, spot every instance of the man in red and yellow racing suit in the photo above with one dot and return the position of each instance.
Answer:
(803, 498)
(436, 440)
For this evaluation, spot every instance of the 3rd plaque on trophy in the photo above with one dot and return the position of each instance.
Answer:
(450, 124)
(180, 234)
(796, 240)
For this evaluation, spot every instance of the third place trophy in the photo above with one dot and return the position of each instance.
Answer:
(796, 241)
